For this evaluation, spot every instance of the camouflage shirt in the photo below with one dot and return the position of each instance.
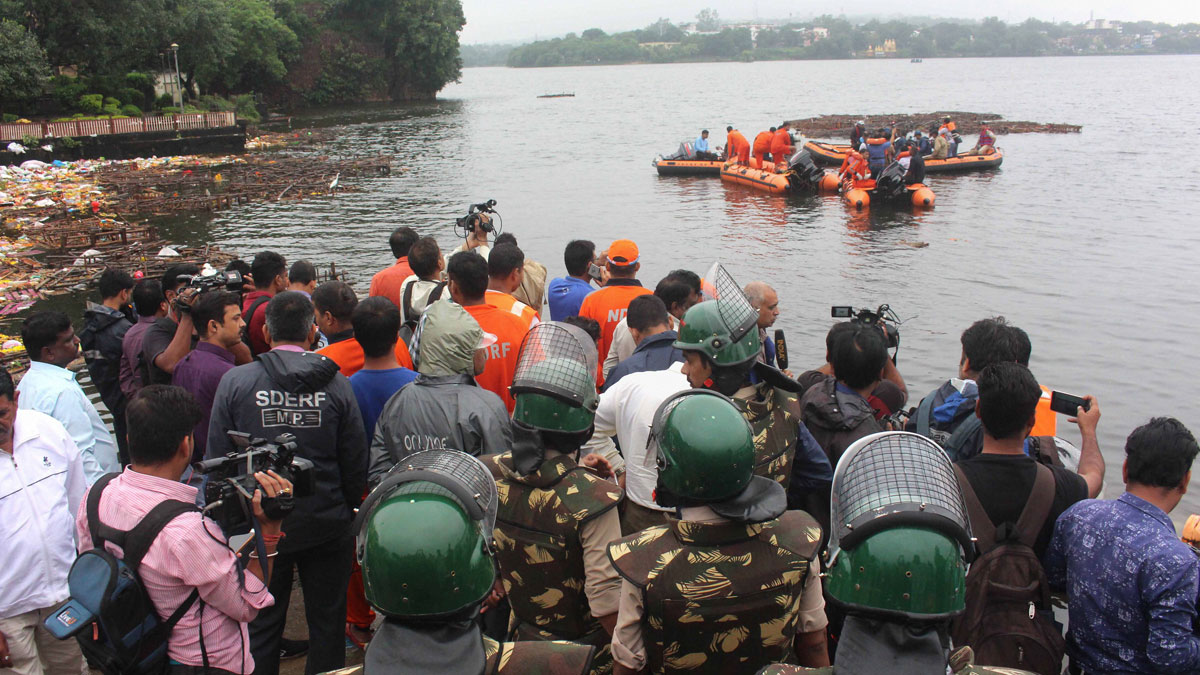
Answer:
(523, 658)
(719, 596)
(540, 524)
(773, 415)
(780, 669)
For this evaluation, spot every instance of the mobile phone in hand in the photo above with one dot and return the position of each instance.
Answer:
(1068, 404)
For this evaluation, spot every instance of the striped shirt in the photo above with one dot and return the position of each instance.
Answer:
(513, 306)
(184, 557)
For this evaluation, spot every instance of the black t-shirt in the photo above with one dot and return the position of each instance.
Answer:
(158, 337)
(1003, 484)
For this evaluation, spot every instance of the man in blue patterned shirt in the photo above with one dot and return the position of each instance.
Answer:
(1132, 583)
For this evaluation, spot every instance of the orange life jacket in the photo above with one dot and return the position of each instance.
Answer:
(762, 142)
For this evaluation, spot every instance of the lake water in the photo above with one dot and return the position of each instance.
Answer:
(1087, 241)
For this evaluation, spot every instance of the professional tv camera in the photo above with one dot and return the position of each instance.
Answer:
(231, 483)
(465, 225)
(883, 316)
(208, 280)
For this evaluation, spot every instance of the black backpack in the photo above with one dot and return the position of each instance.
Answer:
(1007, 594)
(109, 611)
(406, 308)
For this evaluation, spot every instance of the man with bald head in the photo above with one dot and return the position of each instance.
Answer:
(766, 301)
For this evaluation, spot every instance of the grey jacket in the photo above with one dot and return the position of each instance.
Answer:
(445, 412)
(300, 393)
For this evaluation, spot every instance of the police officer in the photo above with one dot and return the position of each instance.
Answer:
(720, 344)
(556, 518)
(424, 542)
(731, 584)
(897, 560)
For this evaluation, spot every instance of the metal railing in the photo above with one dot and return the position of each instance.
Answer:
(120, 125)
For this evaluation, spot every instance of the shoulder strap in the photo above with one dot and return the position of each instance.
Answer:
(100, 533)
(406, 309)
(1046, 449)
(924, 412)
(139, 539)
(967, 427)
(258, 302)
(981, 525)
(1037, 508)
(436, 293)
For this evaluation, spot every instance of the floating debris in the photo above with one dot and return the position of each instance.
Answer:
(829, 126)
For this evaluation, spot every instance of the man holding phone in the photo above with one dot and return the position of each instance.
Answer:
(566, 294)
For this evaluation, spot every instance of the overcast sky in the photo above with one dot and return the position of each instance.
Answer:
(523, 20)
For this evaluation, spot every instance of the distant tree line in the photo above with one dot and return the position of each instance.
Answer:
(829, 37)
(286, 52)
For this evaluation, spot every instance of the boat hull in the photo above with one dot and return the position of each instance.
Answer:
(830, 154)
(688, 167)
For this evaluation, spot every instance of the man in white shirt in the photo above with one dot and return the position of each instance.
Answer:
(41, 486)
(627, 411)
(50, 388)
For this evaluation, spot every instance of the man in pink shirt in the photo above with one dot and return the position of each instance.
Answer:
(190, 553)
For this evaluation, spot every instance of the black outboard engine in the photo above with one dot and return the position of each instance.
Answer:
(685, 151)
(805, 174)
(890, 183)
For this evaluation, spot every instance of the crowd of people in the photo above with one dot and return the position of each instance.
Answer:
(581, 474)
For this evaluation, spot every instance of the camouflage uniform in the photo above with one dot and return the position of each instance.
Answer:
(541, 554)
(773, 416)
(969, 670)
(523, 658)
(719, 596)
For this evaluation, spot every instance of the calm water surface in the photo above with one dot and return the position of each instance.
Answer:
(1086, 241)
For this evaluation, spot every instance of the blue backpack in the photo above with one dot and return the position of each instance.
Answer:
(109, 611)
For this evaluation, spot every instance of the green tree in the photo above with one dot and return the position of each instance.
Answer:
(24, 70)
(708, 20)
(594, 34)
(262, 48)
(205, 33)
(418, 40)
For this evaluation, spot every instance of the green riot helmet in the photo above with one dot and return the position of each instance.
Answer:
(724, 328)
(704, 452)
(555, 390)
(424, 537)
(899, 539)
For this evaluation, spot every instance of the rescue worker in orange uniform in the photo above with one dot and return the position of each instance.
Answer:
(736, 146)
(762, 147)
(853, 167)
(781, 146)
(608, 305)
(468, 284)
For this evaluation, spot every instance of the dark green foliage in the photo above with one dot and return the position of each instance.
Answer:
(90, 104)
(131, 110)
(24, 71)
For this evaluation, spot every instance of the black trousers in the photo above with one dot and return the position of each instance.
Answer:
(324, 573)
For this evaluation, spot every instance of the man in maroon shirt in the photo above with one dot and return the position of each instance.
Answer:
(218, 320)
(269, 270)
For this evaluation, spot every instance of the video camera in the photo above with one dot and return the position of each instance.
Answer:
(883, 317)
(465, 225)
(229, 280)
(230, 487)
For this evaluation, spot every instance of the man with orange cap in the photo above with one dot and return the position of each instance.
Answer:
(781, 146)
(762, 147)
(736, 146)
(608, 305)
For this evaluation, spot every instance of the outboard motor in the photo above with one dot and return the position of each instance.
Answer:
(685, 151)
(890, 182)
(805, 174)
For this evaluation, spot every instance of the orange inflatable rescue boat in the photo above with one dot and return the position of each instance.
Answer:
(889, 189)
(830, 154)
(802, 176)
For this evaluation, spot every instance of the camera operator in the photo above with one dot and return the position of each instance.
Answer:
(291, 390)
(888, 397)
(188, 553)
(477, 238)
(173, 336)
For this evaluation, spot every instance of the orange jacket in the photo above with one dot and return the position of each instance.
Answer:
(513, 306)
(386, 283)
(781, 144)
(854, 163)
(348, 354)
(509, 330)
(608, 306)
(762, 142)
(735, 142)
